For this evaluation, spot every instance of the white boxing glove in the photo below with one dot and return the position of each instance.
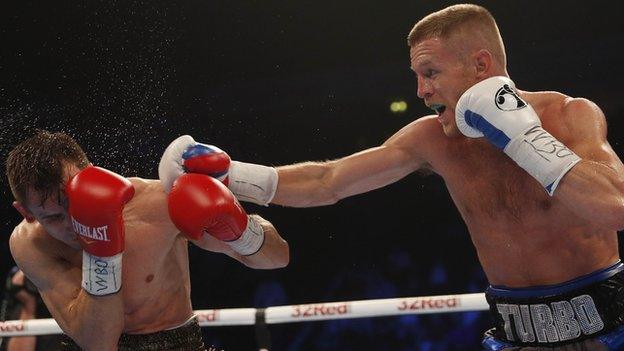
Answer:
(492, 109)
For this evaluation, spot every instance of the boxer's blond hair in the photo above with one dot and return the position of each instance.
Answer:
(470, 27)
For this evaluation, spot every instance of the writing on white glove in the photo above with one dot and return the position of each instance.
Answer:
(492, 109)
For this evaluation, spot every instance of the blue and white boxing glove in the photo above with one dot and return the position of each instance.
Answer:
(492, 109)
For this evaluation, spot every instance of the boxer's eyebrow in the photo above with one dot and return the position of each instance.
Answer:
(51, 215)
(423, 63)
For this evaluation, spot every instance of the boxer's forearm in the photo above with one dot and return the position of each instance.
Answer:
(274, 252)
(325, 183)
(95, 322)
(305, 185)
(595, 192)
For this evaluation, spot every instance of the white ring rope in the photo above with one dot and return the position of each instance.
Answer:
(294, 313)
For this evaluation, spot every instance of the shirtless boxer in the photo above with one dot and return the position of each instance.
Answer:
(542, 203)
(143, 303)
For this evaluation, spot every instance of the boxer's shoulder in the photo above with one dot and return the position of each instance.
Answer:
(426, 124)
(140, 184)
(548, 103)
(577, 110)
(34, 250)
(555, 105)
(423, 139)
(422, 130)
(149, 204)
(29, 234)
(563, 115)
(145, 192)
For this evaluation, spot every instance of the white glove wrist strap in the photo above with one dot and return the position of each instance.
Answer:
(251, 240)
(542, 156)
(252, 183)
(101, 275)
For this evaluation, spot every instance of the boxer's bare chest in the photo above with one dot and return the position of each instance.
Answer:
(488, 187)
(155, 258)
(154, 262)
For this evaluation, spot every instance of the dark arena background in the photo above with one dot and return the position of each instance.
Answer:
(277, 82)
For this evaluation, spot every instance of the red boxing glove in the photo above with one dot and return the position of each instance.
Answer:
(199, 203)
(96, 200)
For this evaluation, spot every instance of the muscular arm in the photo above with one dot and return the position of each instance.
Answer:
(323, 183)
(95, 323)
(274, 252)
(594, 188)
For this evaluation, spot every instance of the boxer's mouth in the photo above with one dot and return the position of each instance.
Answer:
(438, 108)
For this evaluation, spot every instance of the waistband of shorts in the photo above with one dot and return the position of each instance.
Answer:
(186, 337)
(185, 323)
(557, 289)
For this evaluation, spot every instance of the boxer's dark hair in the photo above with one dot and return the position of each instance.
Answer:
(37, 163)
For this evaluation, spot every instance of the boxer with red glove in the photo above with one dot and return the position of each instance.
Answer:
(96, 200)
(249, 182)
(200, 204)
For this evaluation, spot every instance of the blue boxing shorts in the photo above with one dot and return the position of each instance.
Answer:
(586, 313)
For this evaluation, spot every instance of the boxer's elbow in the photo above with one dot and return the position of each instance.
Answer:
(283, 258)
(86, 328)
(281, 253)
(330, 190)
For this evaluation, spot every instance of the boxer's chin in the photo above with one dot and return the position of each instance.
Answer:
(450, 129)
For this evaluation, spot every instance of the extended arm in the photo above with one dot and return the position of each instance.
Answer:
(300, 185)
(323, 183)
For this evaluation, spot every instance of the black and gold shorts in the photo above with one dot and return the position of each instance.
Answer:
(187, 337)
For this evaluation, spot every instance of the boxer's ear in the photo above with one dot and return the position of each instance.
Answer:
(482, 61)
(24, 211)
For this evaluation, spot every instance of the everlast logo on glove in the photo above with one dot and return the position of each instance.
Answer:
(553, 322)
(96, 233)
